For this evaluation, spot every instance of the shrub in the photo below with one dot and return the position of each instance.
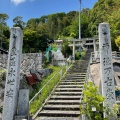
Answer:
(91, 99)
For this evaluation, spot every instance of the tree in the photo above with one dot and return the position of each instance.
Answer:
(18, 22)
(3, 18)
(34, 41)
(105, 11)
(33, 23)
(3, 25)
(4, 31)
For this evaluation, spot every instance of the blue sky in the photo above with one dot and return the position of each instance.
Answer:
(37, 8)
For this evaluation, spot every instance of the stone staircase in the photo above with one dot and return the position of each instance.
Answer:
(64, 102)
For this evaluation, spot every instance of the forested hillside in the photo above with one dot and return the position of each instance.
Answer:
(39, 31)
(106, 11)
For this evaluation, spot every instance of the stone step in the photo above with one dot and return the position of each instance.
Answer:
(66, 97)
(68, 89)
(71, 83)
(74, 80)
(61, 107)
(78, 67)
(77, 74)
(67, 93)
(77, 70)
(59, 113)
(58, 118)
(75, 77)
(72, 72)
(63, 102)
(70, 86)
(81, 76)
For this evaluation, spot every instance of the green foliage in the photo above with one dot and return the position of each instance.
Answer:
(117, 41)
(77, 55)
(2, 75)
(112, 113)
(34, 41)
(4, 31)
(91, 98)
(18, 22)
(66, 50)
(83, 53)
(3, 18)
(67, 24)
(51, 27)
(54, 48)
(106, 11)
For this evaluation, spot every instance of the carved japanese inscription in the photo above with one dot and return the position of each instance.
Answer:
(106, 65)
(13, 74)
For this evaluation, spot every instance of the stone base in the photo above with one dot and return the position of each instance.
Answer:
(21, 118)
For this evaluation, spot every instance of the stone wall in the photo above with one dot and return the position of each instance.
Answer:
(3, 61)
(29, 60)
(2, 86)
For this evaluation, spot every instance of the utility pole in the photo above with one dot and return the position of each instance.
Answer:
(80, 20)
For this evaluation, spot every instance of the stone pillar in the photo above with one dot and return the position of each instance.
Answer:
(66, 65)
(13, 74)
(94, 43)
(74, 50)
(106, 66)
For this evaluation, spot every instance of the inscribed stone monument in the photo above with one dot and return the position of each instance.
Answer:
(106, 65)
(13, 74)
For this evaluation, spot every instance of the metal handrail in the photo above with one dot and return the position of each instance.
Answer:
(51, 91)
(47, 84)
(43, 87)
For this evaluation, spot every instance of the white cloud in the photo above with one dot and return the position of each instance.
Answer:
(16, 2)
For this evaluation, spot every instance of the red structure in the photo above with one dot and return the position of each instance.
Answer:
(32, 79)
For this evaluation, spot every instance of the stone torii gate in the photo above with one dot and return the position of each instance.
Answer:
(84, 42)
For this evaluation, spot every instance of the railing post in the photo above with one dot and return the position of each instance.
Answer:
(60, 74)
(91, 58)
(66, 65)
(40, 98)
